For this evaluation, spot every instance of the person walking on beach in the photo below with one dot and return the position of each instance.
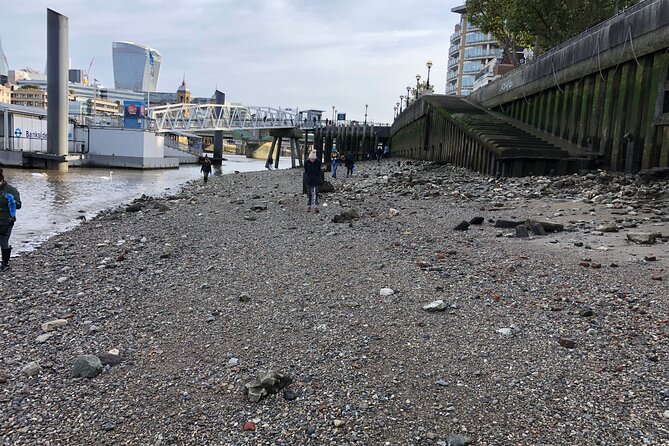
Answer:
(349, 161)
(379, 153)
(10, 201)
(334, 156)
(206, 168)
(312, 179)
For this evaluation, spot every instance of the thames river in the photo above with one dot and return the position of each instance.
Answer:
(52, 201)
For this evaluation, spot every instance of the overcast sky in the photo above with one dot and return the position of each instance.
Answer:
(287, 53)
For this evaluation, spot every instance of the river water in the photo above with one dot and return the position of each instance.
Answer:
(52, 201)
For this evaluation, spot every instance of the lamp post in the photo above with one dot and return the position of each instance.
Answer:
(429, 66)
(401, 102)
(408, 94)
(366, 105)
(417, 84)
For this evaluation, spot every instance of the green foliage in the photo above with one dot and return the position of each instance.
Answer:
(542, 23)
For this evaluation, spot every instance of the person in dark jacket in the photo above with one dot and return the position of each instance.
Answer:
(379, 154)
(312, 178)
(10, 201)
(206, 168)
(349, 162)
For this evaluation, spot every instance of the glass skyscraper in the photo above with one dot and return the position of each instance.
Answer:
(4, 66)
(136, 67)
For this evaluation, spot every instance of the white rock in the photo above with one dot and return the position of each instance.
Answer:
(31, 369)
(53, 325)
(113, 351)
(385, 292)
(393, 212)
(437, 305)
(666, 414)
(41, 339)
(61, 279)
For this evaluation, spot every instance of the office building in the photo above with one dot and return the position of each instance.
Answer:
(30, 96)
(76, 76)
(4, 67)
(26, 74)
(469, 54)
(136, 67)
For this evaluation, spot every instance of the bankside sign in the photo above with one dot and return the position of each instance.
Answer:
(28, 134)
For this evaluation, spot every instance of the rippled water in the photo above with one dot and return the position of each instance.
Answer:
(52, 201)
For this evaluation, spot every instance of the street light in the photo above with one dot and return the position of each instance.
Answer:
(408, 94)
(366, 105)
(417, 84)
(401, 102)
(429, 65)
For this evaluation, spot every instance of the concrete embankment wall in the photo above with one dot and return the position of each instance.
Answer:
(606, 90)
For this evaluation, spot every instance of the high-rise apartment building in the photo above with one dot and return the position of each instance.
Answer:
(136, 67)
(470, 51)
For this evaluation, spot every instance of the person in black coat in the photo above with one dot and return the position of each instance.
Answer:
(312, 178)
(206, 168)
(349, 161)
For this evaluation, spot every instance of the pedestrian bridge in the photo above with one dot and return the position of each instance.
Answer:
(213, 117)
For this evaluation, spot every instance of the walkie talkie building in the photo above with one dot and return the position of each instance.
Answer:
(136, 67)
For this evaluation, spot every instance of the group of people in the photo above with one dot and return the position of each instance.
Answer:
(382, 153)
(348, 160)
(10, 201)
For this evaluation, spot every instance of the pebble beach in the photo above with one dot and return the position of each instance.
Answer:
(149, 324)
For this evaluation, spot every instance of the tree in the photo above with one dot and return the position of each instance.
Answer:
(539, 23)
(502, 19)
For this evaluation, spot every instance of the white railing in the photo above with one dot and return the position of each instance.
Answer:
(192, 117)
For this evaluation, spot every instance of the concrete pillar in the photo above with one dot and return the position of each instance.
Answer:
(219, 99)
(57, 63)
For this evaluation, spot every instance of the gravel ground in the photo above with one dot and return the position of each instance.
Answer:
(201, 291)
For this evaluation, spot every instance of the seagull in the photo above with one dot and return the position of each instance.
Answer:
(109, 177)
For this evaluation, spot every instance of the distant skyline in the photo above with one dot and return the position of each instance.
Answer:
(280, 53)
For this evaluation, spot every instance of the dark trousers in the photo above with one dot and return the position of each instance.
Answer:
(4, 238)
(206, 177)
(312, 195)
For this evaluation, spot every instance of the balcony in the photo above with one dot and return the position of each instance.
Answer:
(453, 50)
(453, 62)
(482, 54)
(455, 36)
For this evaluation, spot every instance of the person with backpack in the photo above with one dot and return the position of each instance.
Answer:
(10, 201)
(334, 156)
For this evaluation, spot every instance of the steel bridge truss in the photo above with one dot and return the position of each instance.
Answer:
(210, 117)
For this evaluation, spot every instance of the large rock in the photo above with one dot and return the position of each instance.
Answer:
(462, 226)
(522, 231)
(458, 440)
(53, 325)
(643, 238)
(345, 217)
(507, 224)
(547, 225)
(86, 366)
(267, 383)
(31, 369)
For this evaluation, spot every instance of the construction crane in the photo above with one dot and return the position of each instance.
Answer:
(88, 71)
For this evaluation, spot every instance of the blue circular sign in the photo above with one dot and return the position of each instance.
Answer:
(18, 133)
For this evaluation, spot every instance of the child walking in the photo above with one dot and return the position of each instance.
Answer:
(312, 178)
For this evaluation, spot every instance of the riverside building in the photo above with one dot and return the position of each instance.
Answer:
(136, 67)
(470, 52)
